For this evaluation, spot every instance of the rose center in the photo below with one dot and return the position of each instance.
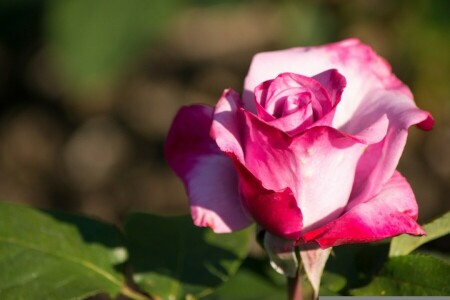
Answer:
(294, 102)
(288, 101)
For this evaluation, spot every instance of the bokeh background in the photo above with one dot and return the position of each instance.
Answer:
(88, 89)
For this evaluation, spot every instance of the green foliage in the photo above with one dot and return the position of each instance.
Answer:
(331, 284)
(411, 275)
(255, 280)
(357, 262)
(54, 255)
(48, 255)
(173, 259)
(405, 244)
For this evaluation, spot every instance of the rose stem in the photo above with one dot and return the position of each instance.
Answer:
(295, 285)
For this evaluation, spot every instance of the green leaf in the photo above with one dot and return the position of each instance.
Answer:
(405, 244)
(95, 40)
(49, 255)
(250, 285)
(331, 284)
(173, 259)
(411, 275)
(357, 262)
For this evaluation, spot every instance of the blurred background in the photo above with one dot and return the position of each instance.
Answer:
(88, 89)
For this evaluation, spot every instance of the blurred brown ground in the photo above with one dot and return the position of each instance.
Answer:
(96, 148)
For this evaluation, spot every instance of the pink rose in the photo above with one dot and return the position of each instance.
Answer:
(309, 153)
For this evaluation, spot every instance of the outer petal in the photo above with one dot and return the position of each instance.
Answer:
(208, 175)
(392, 212)
(305, 162)
(379, 161)
(225, 125)
(275, 211)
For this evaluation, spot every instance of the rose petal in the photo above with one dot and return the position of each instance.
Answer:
(296, 122)
(225, 125)
(305, 163)
(379, 161)
(292, 123)
(326, 160)
(334, 83)
(275, 211)
(208, 175)
(266, 153)
(391, 212)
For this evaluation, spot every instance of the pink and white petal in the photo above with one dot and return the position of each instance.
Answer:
(208, 175)
(263, 113)
(391, 212)
(266, 153)
(295, 122)
(215, 202)
(304, 162)
(281, 253)
(400, 110)
(324, 155)
(225, 125)
(365, 72)
(321, 103)
(333, 82)
(375, 132)
(379, 161)
(363, 69)
(314, 259)
(275, 211)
